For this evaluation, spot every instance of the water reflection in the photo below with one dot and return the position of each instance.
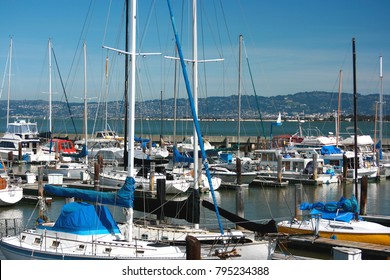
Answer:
(259, 203)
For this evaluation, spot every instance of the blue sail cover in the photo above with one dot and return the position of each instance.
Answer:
(177, 157)
(85, 219)
(342, 210)
(123, 198)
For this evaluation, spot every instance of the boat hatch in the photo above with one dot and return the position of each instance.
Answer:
(55, 244)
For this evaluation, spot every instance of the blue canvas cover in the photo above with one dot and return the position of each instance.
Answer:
(330, 150)
(85, 219)
(177, 157)
(123, 198)
(342, 210)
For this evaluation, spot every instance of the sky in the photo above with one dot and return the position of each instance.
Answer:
(289, 47)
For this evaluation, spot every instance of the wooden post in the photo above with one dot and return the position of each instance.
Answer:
(298, 200)
(20, 151)
(161, 197)
(239, 205)
(96, 180)
(363, 195)
(40, 181)
(152, 175)
(279, 169)
(315, 166)
(345, 167)
(238, 171)
(377, 161)
(192, 248)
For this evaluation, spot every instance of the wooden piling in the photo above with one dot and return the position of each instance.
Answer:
(298, 200)
(192, 248)
(161, 198)
(152, 175)
(96, 180)
(239, 204)
(363, 195)
(315, 166)
(238, 171)
(279, 169)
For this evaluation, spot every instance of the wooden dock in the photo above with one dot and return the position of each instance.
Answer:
(263, 182)
(369, 251)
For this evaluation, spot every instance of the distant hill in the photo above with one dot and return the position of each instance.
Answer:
(315, 104)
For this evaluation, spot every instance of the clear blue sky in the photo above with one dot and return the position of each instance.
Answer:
(292, 46)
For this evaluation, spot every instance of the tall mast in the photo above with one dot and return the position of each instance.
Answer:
(125, 152)
(9, 79)
(106, 113)
(131, 99)
(339, 107)
(380, 107)
(239, 93)
(195, 93)
(50, 90)
(85, 101)
(355, 117)
(195, 87)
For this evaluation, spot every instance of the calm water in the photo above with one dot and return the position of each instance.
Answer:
(260, 203)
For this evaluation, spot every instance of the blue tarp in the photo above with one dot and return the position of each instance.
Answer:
(123, 198)
(177, 157)
(83, 218)
(330, 150)
(342, 210)
(143, 142)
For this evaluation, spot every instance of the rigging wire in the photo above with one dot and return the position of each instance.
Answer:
(254, 90)
(64, 90)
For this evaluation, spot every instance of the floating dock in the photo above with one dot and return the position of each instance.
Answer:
(369, 251)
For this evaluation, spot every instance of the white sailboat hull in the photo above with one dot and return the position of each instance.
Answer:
(10, 195)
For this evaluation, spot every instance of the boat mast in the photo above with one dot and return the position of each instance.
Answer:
(9, 79)
(380, 108)
(239, 94)
(355, 117)
(50, 91)
(195, 88)
(131, 115)
(106, 113)
(125, 152)
(85, 102)
(339, 108)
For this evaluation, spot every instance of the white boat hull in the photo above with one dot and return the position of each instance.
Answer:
(10, 195)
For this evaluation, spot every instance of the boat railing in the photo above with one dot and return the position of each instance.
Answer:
(10, 227)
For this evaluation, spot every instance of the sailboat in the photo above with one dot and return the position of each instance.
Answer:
(340, 219)
(86, 231)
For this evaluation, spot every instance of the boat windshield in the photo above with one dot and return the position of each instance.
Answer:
(22, 128)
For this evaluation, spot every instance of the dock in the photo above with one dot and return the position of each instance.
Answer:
(263, 182)
(369, 251)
